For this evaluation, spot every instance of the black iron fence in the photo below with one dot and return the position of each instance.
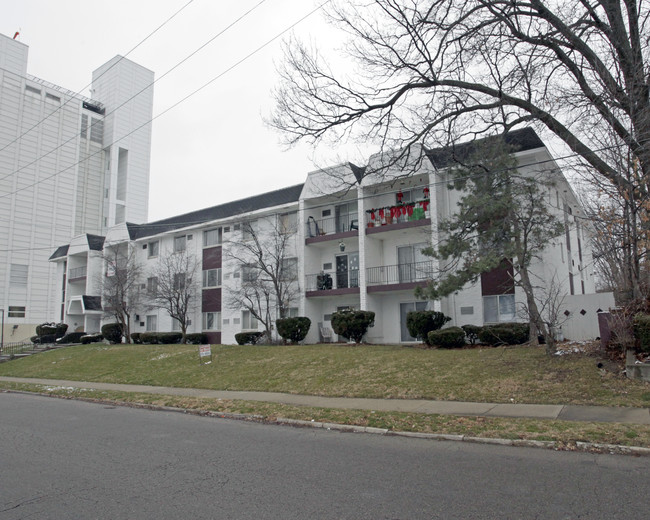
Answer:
(332, 280)
(331, 225)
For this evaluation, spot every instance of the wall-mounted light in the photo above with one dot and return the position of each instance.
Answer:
(341, 246)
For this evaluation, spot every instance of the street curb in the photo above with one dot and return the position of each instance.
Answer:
(589, 447)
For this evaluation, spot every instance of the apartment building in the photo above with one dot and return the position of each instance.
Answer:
(69, 165)
(352, 245)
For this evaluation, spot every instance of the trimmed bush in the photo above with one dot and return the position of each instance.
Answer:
(169, 338)
(35, 339)
(293, 329)
(452, 337)
(72, 337)
(420, 323)
(248, 338)
(641, 327)
(196, 338)
(135, 337)
(91, 338)
(505, 334)
(47, 338)
(471, 332)
(352, 324)
(149, 338)
(112, 332)
(57, 330)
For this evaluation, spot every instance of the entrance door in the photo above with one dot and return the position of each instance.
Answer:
(347, 271)
(404, 308)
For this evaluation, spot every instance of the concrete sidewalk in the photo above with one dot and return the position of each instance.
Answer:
(566, 412)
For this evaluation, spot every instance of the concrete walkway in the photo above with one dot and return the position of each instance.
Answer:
(568, 412)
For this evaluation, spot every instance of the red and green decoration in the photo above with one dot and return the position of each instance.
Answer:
(406, 208)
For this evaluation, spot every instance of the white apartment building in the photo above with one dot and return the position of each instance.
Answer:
(68, 165)
(358, 247)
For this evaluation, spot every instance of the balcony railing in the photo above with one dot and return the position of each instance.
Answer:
(407, 212)
(331, 225)
(333, 280)
(402, 273)
(77, 272)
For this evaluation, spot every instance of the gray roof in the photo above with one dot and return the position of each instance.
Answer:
(60, 252)
(92, 303)
(229, 209)
(519, 140)
(95, 243)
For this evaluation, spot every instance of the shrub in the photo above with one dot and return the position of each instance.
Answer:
(452, 337)
(641, 327)
(149, 338)
(472, 332)
(35, 339)
(197, 338)
(72, 337)
(352, 324)
(91, 338)
(293, 329)
(135, 337)
(505, 334)
(169, 338)
(420, 323)
(248, 338)
(112, 332)
(47, 338)
(57, 330)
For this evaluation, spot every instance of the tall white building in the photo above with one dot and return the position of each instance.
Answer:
(68, 165)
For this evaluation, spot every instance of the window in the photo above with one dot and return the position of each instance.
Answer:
(212, 277)
(250, 273)
(212, 321)
(96, 130)
(248, 321)
(18, 275)
(16, 312)
(212, 237)
(180, 244)
(176, 325)
(346, 217)
(288, 223)
(152, 323)
(249, 230)
(289, 269)
(153, 248)
(152, 285)
(84, 126)
(179, 281)
(292, 312)
(499, 308)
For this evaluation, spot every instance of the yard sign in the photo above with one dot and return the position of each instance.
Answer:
(205, 352)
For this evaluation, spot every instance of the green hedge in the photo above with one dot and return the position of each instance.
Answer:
(641, 327)
(196, 338)
(57, 330)
(293, 329)
(91, 338)
(136, 338)
(159, 338)
(452, 337)
(472, 332)
(420, 323)
(72, 337)
(113, 332)
(505, 334)
(352, 324)
(248, 338)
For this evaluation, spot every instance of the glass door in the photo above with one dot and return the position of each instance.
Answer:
(405, 308)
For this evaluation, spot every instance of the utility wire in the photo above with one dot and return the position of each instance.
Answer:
(90, 84)
(98, 121)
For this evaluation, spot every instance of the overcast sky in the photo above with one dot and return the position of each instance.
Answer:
(214, 147)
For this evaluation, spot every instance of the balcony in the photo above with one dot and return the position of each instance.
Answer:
(77, 273)
(399, 216)
(326, 284)
(330, 228)
(399, 277)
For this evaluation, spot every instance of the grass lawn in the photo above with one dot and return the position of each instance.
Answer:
(501, 375)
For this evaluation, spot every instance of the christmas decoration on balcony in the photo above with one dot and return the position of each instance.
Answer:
(400, 196)
(426, 192)
(411, 210)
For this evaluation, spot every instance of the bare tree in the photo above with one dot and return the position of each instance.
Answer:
(268, 269)
(121, 296)
(176, 291)
(435, 72)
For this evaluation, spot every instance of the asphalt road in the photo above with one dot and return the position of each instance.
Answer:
(75, 460)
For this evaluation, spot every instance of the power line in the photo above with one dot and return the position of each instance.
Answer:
(178, 64)
(90, 84)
